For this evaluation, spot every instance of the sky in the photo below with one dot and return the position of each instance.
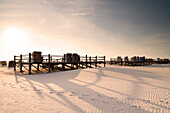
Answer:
(93, 27)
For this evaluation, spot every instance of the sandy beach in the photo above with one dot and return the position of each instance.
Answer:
(110, 89)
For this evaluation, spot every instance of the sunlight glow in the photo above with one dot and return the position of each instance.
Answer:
(13, 37)
(13, 34)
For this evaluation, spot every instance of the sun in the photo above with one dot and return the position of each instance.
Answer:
(12, 37)
(13, 34)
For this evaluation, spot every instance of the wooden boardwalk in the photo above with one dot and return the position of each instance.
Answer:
(131, 63)
(52, 62)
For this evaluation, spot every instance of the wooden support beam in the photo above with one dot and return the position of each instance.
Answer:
(86, 61)
(21, 63)
(57, 61)
(96, 62)
(71, 67)
(76, 64)
(63, 65)
(104, 61)
(90, 60)
(29, 63)
(14, 63)
(38, 65)
(49, 63)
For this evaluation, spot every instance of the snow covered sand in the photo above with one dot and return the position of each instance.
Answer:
(111, 89)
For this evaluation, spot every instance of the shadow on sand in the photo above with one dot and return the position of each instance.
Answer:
(90, 96)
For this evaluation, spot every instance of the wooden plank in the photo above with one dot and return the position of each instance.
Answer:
(25, 68)
(21, 63)
(104, 61)
(14, 63)
(29, 63)
(96, 62)
(86, 61)
(90, 60)
(38, 67)
(49, 64)
(63, 64)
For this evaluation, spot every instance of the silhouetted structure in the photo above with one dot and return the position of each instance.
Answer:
(162, 61)
(11, 64)
(3, 63)
(52, 62)
(133, 61)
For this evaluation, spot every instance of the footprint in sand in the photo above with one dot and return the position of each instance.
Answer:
(11, 85)
(38, 90)
(26, 89)
(93, 99)
(152, 107)
(161, 101)
(99, 95)
(111, 98)
(118, 102)
(4, 84)
(85, 95)
(146, 100)
(130, 98)
(134, 106)
(59, 93)
(105, 102)
(71, 95)
(80, 97)
(73, 92)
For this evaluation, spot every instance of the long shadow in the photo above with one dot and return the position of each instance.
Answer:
(16, 77)
(159, 65)
(131, 96)
(62, 79)
(135, 75)
(45, 81)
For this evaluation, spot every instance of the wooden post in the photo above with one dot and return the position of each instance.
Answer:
(14, 63)
(76, 65)
(38, 65)
(49, 64)
(86, 61)
(52, 66)
(104, 61)
(57, 61)
(21, 63)
(90, 60)
(51, 58)
(96, 62)
(29, 63)
(63, 65)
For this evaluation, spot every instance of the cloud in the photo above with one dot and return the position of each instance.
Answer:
(82, 14)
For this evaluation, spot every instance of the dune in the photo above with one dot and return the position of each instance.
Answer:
(110, 89)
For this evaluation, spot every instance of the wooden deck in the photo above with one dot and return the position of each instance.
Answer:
(53, 62)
